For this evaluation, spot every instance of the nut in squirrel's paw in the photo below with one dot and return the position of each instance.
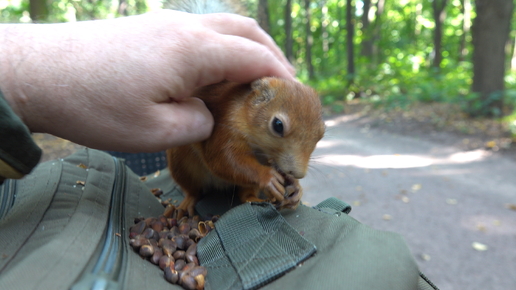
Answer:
(293, 194)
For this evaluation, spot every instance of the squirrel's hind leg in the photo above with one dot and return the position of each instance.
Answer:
(250, 194)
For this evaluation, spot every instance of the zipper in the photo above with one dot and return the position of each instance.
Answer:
(7, 196)
(106, 270)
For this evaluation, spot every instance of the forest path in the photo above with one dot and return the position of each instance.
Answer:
(449, 204)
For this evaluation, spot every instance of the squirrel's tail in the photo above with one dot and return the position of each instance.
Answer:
(206, 6)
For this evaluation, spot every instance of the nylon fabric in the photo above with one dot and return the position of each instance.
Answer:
(335, 204)
(71, 228)
(348, 253)
(425, 283)
(258, 243)
(221, 272)
(33, 197)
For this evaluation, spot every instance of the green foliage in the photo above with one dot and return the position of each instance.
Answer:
(400, 71)
(72, 10)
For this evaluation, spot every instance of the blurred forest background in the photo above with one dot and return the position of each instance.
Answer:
(388, 54)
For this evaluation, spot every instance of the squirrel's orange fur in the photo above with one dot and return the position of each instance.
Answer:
(246, 150)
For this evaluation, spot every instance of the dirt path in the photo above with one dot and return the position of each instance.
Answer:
(455, 206)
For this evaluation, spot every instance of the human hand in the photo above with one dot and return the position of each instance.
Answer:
(124, 84)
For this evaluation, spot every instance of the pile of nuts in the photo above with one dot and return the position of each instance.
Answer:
(170, 241)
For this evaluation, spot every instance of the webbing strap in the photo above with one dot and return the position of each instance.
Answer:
(251, 246)
(336, 204)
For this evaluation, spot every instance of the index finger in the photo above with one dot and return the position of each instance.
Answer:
(236, 25)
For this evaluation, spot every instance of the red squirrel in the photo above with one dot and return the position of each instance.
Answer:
(263, 137)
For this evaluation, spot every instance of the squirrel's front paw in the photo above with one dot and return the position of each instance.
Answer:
(274, 188)
(293, 195)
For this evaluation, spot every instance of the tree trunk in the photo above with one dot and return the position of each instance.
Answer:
(122, 7)
(38, 10)
(309, 41)
(367, 42)
(439, 15)
(289, 53)
(466, 12)
(513, 59)
(350, 27)
(263, 15)
(490, 32)
(376, 28)
(324, 24)
(339, 34)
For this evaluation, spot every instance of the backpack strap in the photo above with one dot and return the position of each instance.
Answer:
(252, 245)
(335, 204)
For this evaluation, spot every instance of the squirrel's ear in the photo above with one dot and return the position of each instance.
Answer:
(262, 90)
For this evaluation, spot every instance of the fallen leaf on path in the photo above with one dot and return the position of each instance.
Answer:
(426, 257)
(451, 201)
(510, 206)
(491, 144)
(143, 178)
(80, 182)
(416, 187)
(157, 174)
(387, 217)
(479, 247)
(405, 199)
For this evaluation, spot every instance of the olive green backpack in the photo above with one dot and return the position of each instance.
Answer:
(65, 226)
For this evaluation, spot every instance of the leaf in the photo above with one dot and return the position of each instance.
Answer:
(82, 166)
(510, 206)
(426, 257)
(416, 187)
(387, 217)
(479, 247)
(451, 201)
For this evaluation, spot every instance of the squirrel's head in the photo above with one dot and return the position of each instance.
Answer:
(285, 119)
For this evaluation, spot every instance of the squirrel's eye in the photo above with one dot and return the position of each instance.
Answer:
(277, 126)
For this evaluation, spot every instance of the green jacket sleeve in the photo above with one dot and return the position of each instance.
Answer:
(19, 154)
